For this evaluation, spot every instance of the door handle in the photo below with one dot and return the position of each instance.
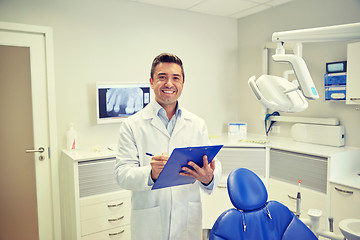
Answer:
(39, 150)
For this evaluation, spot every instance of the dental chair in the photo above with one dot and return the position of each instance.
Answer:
(255, 218)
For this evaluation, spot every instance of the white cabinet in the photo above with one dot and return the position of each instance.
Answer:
(93, 205)
(231, 158)
(291, 167)
(317, 166)
(214, 205)
(345, 203)
(105, 212)
(252, 158)
(286, 169)
(286, 194)
(353, 74)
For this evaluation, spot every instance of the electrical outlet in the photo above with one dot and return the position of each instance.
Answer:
(275, 129)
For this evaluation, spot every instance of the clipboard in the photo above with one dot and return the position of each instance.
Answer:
(179, 158)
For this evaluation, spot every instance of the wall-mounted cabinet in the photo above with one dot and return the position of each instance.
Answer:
(353, 74)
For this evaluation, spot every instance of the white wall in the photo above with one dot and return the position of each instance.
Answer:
(116, 40)
(254, 31)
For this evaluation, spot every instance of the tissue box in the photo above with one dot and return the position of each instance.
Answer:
(237, 130)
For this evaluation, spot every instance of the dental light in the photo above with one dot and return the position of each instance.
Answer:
(278, 93)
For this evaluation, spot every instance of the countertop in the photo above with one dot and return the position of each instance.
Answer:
(351, 180)
(343, 171)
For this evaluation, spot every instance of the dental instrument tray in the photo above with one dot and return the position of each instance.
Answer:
(179, 158)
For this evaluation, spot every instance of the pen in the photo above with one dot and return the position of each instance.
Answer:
(149, 154)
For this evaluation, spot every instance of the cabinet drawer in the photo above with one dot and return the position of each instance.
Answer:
(117, 206)
(310, 199)
(103, 223)
(120, 233)
(286, 194)
(251, 158)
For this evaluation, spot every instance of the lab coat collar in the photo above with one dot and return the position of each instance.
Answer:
(150, 112)
(153, 107)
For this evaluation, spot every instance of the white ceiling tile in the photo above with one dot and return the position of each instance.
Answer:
(222, 7)
(228, 8)
(183, 4)
(250, 11)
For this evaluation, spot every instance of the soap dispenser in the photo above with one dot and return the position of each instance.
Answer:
(71, 138)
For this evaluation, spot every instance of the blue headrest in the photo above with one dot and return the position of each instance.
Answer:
(246, 190)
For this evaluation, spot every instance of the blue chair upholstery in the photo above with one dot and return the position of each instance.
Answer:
(255, 218)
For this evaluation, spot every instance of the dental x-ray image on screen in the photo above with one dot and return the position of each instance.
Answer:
(118, 100)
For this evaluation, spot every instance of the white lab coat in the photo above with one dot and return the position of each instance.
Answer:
(170, 213)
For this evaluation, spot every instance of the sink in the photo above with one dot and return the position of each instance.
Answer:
(350, 228)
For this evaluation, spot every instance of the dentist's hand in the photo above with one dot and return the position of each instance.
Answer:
(157, 164)
(204, 174)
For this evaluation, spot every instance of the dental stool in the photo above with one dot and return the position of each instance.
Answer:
(255, 218)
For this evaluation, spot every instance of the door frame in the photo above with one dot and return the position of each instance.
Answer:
(50, 81)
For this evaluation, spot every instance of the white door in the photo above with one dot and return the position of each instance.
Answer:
(26, 200)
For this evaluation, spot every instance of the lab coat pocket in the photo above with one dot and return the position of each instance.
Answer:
(146, 224)
(194, 227)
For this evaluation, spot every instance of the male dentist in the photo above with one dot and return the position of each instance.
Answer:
(172, 213)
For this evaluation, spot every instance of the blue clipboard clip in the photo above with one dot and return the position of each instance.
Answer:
(179, 158)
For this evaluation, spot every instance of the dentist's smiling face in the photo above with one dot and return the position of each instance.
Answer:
(167, 83)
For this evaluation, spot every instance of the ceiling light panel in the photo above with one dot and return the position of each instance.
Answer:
(183, 4)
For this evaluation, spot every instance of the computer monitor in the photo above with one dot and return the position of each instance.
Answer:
(116, 101)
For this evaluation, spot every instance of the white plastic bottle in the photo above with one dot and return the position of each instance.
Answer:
(71, 138)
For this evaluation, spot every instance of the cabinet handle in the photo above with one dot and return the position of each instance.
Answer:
(343, 191)
(115, 219)
(115, 205)
(222, 186)
(355, 98)
(115, 234)
(293, 198)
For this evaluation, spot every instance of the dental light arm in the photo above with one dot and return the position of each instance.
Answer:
(321, 34)
(285, 97)
(302, 74)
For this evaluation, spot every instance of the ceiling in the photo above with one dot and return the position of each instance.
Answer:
(224, 8)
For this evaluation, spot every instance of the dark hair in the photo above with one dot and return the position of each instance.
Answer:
(167, 58)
